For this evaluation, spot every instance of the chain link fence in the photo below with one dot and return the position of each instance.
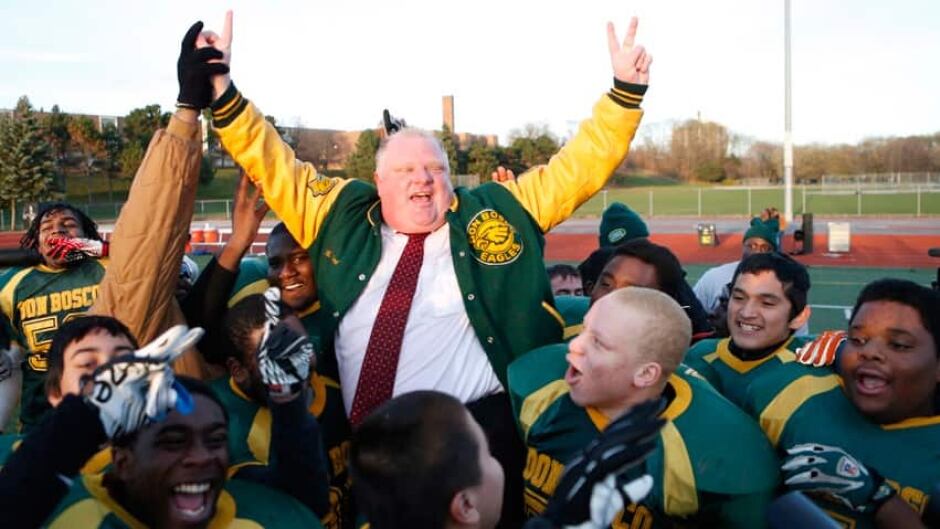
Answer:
(914, 200)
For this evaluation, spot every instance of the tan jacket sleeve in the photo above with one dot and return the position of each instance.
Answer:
(552, 192)
(149, 239)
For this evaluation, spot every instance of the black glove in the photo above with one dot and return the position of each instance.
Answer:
(193, 70)
(392, 124)
(620, 448)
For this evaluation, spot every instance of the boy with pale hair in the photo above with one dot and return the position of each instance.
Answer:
(630, 351)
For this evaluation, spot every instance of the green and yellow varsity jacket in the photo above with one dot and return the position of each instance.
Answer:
(572, 310)
(731, 375)
(712, 467)
(798, 404)
(496, 229)
(34, 303)
(241, 505)
(250, 438)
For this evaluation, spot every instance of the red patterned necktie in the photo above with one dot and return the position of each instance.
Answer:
(377, 376)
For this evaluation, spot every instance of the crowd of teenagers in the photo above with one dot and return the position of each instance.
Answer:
(401, 357)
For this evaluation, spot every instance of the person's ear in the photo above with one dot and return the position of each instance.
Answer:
(800, 319)
(647, 375)
(237, 370)
(121, 462)
(463, 508)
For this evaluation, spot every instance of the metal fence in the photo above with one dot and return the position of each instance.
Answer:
(922, 200)
(895, 180)
(915, 200)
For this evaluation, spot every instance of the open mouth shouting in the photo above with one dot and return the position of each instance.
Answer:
(869, 382)
(573, 374)
(193, 501)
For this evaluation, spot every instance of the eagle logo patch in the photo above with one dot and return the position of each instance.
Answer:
(493, 239)
(320, 186)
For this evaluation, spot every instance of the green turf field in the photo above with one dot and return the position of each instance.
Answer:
(838, 287)
(715, 201)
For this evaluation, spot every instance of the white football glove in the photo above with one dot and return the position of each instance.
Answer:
(284, 355)
(76, 248)
(134, 390)
(821, 351)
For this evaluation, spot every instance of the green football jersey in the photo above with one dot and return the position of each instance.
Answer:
(241, 505)
(712, 466)
(731, 375)
(572, 310)
(250, 438)
(35, 302)
(801, 404)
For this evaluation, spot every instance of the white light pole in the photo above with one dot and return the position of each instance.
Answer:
(787, 125)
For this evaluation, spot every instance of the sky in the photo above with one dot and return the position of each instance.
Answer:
(861, 68)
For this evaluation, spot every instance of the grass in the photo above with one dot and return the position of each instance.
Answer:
(648, 195)
(720, 201)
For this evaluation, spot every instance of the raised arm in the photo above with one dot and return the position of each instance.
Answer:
(293, 189)
(551, 193)
(151, 232)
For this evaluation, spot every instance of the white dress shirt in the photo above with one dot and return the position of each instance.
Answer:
(440, 349)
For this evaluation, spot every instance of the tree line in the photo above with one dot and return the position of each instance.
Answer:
(705, 151)
(41, 153)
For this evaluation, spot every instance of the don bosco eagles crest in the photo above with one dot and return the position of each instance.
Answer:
(493, 239)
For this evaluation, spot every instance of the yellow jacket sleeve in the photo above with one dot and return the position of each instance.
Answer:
(552, 192)
(300, 197)
(149, 239)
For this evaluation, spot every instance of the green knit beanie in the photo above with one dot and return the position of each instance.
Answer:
(620, 224)
(766, 230)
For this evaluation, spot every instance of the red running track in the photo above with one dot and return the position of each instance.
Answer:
(868, 250)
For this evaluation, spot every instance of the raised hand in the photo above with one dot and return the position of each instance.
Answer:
(284, 355)
(136, 389)
(223, 44)
(194, 69)
(501, 174)
(392, 124)
(631, 63)
(248, 211)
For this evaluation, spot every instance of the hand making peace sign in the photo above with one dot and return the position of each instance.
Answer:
(631, 63)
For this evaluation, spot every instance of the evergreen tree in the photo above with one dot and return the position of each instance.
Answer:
(482, 160)
(56, 127)
(361, 163)
(27, 163)
(449, 141)
(141, 123)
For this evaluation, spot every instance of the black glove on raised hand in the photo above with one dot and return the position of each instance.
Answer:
(392, 124)
(193, 70)
(604, 469)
